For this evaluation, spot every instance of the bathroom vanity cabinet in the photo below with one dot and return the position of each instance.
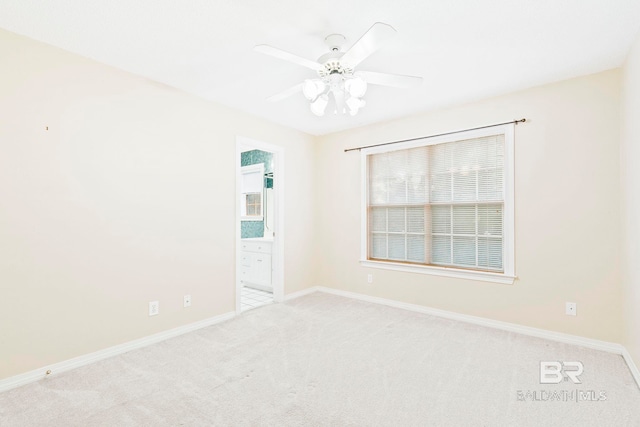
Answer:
(255, 269)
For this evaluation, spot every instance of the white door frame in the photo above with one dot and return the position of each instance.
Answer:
(277, 256)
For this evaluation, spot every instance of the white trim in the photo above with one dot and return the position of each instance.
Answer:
(508, 252)
(76, 362)
(301, 293)
(259, 169)
(632, 366)
(483, 276)
(38, 374)
(609, 347)
(364, 203)
(509, 226)
(277, 254)
(496, 324)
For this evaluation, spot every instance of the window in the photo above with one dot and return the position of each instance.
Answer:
(441, 206)
(254, 204)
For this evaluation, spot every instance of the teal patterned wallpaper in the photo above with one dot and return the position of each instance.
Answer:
(249, 229)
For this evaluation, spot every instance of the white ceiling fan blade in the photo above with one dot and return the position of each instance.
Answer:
(281, 54)
(368, 43)
(393, 80)
(285, 93)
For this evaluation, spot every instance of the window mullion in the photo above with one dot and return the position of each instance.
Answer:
(406, 230)
(451, 232)
(386, 231)
(477, 182)
(476, 221)
(406, 225)
(451, 198)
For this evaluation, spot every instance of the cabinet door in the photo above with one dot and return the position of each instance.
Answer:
(261, 266)
(245, 259)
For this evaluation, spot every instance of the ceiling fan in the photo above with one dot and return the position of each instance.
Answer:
(336, 72)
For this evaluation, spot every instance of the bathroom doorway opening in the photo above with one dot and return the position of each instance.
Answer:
(259, 223)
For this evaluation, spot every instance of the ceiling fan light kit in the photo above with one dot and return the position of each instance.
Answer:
(311, 89)
(356, 87)
(336, 75)
(351, 88)
(319, 105)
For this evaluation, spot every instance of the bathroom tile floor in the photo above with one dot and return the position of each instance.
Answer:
(252, 298)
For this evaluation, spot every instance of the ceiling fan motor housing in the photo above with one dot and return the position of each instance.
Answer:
(330, 61)
(335, 70)
(334, 66)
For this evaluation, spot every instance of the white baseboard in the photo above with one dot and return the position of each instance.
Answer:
(56, 368)
(496, 324)
(301, 293)
(76, 362)
(632, 366)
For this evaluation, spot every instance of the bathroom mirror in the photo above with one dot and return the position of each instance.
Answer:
(252, 193)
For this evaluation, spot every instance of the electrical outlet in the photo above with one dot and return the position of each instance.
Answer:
(369, 278)
(187, 300)
(571, 308)
(154, 308)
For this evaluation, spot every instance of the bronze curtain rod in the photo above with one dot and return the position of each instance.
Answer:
(433, 136)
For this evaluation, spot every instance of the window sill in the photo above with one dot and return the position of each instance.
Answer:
(483, 276)
(251, 218)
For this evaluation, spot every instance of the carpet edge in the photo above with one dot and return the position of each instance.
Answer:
(86, 359)
(591, 343)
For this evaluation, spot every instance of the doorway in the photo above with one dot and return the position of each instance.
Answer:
(259, 224)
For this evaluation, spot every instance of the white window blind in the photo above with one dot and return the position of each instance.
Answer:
(440, 204)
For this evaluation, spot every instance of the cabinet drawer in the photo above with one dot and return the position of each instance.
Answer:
(260, 260)
(261, 247)
(246, 275)
(245, 259)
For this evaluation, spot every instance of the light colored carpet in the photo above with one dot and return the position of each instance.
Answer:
(323, 360)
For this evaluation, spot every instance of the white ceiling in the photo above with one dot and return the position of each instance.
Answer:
(464, 49)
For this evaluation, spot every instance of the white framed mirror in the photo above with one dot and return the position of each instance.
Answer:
(252, 197)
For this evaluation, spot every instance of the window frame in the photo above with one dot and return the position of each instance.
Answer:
(506, 277)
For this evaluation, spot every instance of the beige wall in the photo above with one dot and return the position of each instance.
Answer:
(630, 174)
(124, 200)
(567, 209)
